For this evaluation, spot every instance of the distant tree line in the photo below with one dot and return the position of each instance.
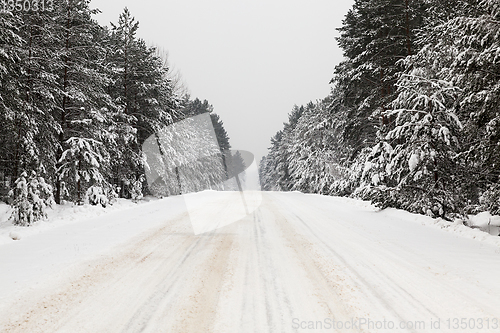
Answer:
(78, 99)
(413, 118)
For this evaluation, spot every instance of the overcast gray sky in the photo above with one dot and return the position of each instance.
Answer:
(251, 59)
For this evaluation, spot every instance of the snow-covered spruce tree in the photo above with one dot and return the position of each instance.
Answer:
(83, 105)
(268, 174)
(374, 36)
(143, 93)
(314, 166)
(184, 158)
(476, 37)
(349, 156)
(263, 181)
(320, 159)
(415, 165)
(284, 150)
(374, 172)
(136, 192)
(284, 181)
(306, 155)
(196, 107)
(80, 165)
(95, 196)
(30, 198)
(27, 91)
(10, 99)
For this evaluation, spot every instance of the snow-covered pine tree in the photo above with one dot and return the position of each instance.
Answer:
(268, 166)
(10, 99)
(27, 90)
(95, 195)
(196, 107)
(30, 198)
(41, 63)
(83, 106)
(313, 165)
(80, 165)
(144, 95)
(418, 173)
(126, 160)
(475, 34)
(375, 34)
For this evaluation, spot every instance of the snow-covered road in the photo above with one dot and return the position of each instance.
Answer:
(299, 263)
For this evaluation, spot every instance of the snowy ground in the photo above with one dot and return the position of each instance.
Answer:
(299, 263)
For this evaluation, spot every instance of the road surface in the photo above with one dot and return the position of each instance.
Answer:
(299, 263)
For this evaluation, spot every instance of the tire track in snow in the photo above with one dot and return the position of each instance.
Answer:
(273, 279)
(275, 297)
(48, 313)
(165, 289)
(198, 309)
(395, 281)
(285, 261)
(365, 284)
(331, 293)
(167, 281)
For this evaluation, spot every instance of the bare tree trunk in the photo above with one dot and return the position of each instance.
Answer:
(79, 184)
(408, 37)
(64, 102)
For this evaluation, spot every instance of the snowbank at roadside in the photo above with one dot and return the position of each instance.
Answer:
(482, 227)
(475, 228)
(59, 215)
(72, 235)
(485, 222)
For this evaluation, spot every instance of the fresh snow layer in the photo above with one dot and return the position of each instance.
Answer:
(296, 264)
(486, 222)
(60, 215)
(72, 234)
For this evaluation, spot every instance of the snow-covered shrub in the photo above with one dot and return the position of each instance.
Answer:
(80, 165)
(349, 181)
(95, 196)
(136, 189)
(490, 200)
(30, 198)
(14, 235)
(374, 175)
(112, 193)
(64, 190)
